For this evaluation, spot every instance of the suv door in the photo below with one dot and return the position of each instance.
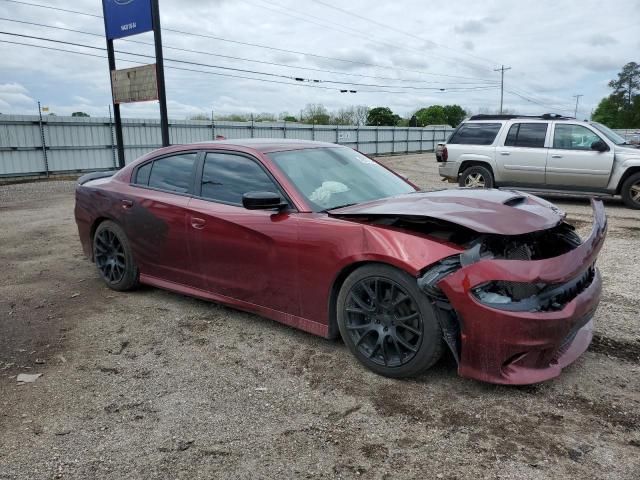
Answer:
(155, 216)
(242, 254)
(522, 155)
(572, 162)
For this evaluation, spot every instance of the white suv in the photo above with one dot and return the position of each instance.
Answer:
(547, 153)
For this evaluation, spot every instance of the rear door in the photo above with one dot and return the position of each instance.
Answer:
(571, 161)
(522, 154)
(156, 216)
(249, 255)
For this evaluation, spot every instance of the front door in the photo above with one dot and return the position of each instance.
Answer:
(249, 255)
(573, 163)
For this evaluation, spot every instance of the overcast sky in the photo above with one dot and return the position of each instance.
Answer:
(555, 48)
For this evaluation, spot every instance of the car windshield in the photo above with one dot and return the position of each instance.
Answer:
(333, 177)
(610, 134)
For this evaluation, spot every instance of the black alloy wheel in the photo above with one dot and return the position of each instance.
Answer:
(387, 322)
(113, 257)
(383, 321)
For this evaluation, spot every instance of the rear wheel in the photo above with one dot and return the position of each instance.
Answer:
(631, 191)
(387, 323)
(113, 257)
(476, 177)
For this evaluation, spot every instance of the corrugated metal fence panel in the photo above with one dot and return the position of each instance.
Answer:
(81, 143)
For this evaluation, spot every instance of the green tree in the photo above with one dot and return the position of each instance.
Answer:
(315, 113)
(455, 114)
(433, 115)
(80, 114)
(289, 118)
(621, 109)
(382, 116)
(413, 121)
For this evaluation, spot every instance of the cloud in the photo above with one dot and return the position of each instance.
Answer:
(601, 40)
(14, 98)
(476, 26)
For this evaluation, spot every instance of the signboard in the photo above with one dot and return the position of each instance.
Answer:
(126, 17)
(137, 84)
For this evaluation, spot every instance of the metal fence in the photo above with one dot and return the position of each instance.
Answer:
(77, 144)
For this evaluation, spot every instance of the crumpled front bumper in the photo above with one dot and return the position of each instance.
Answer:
(524, 347)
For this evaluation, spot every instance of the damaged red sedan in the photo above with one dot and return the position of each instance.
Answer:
(322, 238)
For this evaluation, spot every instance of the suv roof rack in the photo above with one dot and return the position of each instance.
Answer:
(546, 116)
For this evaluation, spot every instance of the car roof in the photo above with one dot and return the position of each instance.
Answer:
(267, 145)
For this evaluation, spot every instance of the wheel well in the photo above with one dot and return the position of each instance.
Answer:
(334, 332)
(473, 163)
(627, 174)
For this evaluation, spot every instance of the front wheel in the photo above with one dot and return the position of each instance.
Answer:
(113, 257)
(387, 322)
(631, 191)
(476, 177)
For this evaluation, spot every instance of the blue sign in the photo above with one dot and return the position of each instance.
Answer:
(126, 17)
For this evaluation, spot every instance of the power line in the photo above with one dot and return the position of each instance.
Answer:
(257, 45)
(242, 70)
(230, 57)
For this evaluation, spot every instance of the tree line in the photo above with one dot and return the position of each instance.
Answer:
(316, 113)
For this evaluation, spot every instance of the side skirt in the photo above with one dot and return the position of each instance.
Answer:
(305, 324)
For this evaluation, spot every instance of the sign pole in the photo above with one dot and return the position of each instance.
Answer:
(116, 107)
(162, 96)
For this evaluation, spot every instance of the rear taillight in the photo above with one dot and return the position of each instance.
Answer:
(445, 154)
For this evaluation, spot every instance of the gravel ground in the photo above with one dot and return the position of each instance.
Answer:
(151, 384)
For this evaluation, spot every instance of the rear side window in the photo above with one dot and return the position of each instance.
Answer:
(529, 135)
(172, 173)
(475, 134)
(226, 178)
(142, 177)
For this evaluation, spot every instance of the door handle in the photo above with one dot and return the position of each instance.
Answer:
(197, 223)
(505, 153)
(556, 156)
(126, 204)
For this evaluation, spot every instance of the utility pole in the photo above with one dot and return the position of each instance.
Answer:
(577, 97)
(501, 70)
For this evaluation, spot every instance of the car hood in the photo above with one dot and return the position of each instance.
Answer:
(504, 212)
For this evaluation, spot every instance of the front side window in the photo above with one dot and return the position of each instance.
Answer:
(573, 137)
(529, 135)
(172, 173)
(333, 177)
(226, 178)
(475, 134)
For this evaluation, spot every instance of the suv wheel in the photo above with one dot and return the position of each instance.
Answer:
(476, 177)
(631, 191)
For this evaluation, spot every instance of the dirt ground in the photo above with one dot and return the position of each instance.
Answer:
(152, 384)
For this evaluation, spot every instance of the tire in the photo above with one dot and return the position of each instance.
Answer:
(372, 328)
(476, 177)
(113, 257)
(631, 191)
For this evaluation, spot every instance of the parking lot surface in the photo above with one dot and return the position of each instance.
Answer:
(151, 384)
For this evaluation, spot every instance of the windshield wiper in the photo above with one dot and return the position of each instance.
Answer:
(338, 206)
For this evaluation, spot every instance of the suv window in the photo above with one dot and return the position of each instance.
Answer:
(225, 178)
(475, 134)
(169, 173)
(573, 137)
(530, 135)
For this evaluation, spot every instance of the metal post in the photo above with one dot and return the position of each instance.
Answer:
(407, 140)
(358, 137)
(284, 129)
(213, 127)
(377, 139)
(421, 140)
(313, 129)
(116, 107)
(501, 70)
(393, 140)
(113, 145)
(162, 96)
(337, 135)
(251, 125)
(44, 145)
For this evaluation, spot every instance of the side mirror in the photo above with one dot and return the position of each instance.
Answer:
(599, 146)
(262, 201)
